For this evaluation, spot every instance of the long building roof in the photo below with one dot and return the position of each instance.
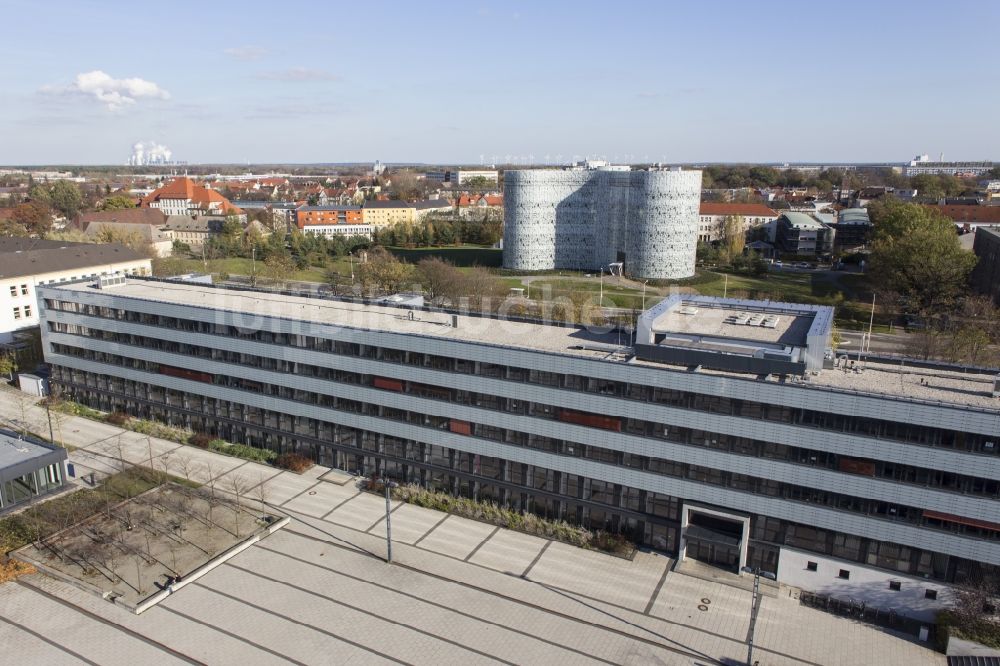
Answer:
(905, 381)
(27, 256)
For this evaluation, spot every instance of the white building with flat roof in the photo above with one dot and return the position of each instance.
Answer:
(27, 263)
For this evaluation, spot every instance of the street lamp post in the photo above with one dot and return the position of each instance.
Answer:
(755, 605)
(389, 485)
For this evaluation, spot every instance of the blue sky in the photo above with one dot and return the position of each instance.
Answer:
(464, 82)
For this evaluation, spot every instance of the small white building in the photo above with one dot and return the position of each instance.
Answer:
(342, 230)
(26, 263)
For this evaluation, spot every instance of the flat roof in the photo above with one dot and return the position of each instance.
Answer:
(486, 330)
(19, 456)
(802, 220)
(971, 388)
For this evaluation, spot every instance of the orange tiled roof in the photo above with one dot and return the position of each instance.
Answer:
(185, 188)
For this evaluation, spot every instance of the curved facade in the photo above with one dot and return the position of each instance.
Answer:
(585, 219)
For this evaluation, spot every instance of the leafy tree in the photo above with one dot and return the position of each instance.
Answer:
(33, 217)
(705, 252)
(66, 198)
(734, 237)
(383, 273)
(8, 365)
(118, 202)
(278, 266)
(479, 182)
(39, 193)
(916, 253)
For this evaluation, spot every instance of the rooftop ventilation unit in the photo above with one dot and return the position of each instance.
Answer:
(110, 281)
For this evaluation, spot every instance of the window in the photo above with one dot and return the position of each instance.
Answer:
(17, 313)
(895, 585)
(27, 311)
(811, 566)
(845, 574)
(13, 290)
(930, 594)
(24, 290)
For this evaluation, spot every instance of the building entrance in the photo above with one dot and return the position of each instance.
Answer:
(715, 539)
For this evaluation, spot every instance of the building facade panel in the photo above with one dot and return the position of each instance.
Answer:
(586, 219)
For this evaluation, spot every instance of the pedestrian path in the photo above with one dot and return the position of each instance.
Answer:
(459, 591)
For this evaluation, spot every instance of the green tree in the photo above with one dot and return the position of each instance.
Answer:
(916, 253)
(278, 266)
(66, 198)
(8, 365)
(117, 202)
(734, 238)
(382, 272)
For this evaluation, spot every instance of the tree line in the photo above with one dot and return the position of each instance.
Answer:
(437, 232)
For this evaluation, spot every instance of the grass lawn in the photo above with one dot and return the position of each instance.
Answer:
(461, 255)
(243, 266)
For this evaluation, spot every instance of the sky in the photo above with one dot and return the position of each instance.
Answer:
(479, 82)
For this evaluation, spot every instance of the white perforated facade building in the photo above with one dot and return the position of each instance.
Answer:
(584, 219)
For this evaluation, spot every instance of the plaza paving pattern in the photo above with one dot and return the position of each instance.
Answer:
(458, 592)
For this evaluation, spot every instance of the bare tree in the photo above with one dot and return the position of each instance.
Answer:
(238, 485)
(262, 492)
(185, 465)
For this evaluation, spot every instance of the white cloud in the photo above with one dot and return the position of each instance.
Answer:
(246, 52)
(298, 74)
(115, 93)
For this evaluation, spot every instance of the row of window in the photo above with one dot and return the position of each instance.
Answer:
(520, 485)
(14, 290)
(843, 423)
(26, 310)
(698, 438)
(731, 480)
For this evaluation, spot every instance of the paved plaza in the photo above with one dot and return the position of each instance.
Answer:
(458, 592)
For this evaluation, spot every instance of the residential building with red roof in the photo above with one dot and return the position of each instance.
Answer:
(971, 216)
(713, 217)
(182, 196)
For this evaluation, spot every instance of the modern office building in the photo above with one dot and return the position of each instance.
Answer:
(853, 228)
(585, 219)
(727, 432)
(803, 234)
(28, 469)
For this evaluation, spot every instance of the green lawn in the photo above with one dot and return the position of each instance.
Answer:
(243, 266)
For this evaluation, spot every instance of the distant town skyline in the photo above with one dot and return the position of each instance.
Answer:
(499, 82)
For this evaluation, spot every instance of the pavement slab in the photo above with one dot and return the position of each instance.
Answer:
(457, 537)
